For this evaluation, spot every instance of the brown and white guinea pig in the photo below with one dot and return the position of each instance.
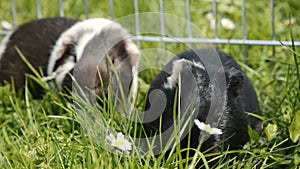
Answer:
(201, 74)
(59, 46)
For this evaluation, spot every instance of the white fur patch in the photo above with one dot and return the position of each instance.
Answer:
(48, 78)
(173, 79)
(134, 54)
(133, 51)
(78, 35)
(199, 65)
(63, 70)
(178, 65)
(134, 87)
(4, 43)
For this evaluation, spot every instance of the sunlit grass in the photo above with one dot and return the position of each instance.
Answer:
(47, 133)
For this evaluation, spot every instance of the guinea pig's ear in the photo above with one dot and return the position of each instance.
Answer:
(234, 80)
(172, 80)
(189, 70)
(133, 52)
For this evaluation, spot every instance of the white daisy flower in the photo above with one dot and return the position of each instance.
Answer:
(210, 16)
(227, 24)
(120, 142)
(6, 25)
(290, 22)
(213, 24)
(211, 19)
(207, 128)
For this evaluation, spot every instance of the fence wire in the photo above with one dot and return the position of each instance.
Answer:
(189, 39)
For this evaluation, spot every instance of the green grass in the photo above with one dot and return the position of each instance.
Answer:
(47, 134)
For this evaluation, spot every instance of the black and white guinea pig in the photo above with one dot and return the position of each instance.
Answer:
(35, 40)
(59, 46)
(200, 77)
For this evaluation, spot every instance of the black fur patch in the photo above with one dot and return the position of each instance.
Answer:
(35, 40)
(239, 97)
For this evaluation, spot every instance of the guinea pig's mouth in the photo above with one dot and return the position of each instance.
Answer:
(115, 87)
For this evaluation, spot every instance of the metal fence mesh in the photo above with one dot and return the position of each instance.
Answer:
(272, 41)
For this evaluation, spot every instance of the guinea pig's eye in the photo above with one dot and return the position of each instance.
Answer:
(113, 60)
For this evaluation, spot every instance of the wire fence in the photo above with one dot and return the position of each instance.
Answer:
(190, 38)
